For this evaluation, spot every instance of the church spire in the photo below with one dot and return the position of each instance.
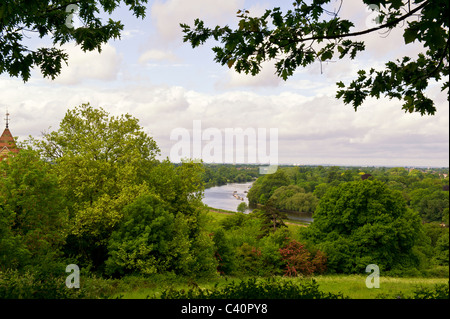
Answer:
(7, 118)
(7, 142)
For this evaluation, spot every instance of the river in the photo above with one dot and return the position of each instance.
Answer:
(224, 197)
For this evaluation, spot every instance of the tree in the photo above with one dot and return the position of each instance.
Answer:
(33, 221)
(19, 20)
(364, 222)
(272, 219)
(102, 163)
(264, 187)
(294, 198)
(97, 154)
(242, 207)
(224, 254)
(309, 32)
(142, 242)
(300, 261)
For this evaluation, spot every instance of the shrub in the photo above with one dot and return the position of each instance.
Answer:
(224, 253)
(15, 284)
(252, 289)
(440, 291)
(300, 261)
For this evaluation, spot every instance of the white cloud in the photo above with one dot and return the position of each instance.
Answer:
(265, 78)
(312, 130)
(158, 55)
(169, 14)
(90, 65)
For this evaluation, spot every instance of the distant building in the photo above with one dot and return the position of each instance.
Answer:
(7, 143)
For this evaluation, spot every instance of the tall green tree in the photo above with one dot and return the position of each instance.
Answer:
(97, 154)
(271, 218)
(102, 163)
(33, 219)
(142, 242)
(312, 31)
(55, 19)
(364, 222)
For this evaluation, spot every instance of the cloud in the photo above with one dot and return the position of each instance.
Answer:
(312, 129)
(158, 55)
(265, 78)
(169, 14)
(91, 65)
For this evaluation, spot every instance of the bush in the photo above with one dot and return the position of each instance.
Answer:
(440, 291)
(35, 285)
(252, 289)
(300, 261)
(224, 253)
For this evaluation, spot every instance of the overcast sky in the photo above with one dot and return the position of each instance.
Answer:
(151, 74)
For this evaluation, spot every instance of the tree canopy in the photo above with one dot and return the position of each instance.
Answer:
(309, 32)
(364, 222)
(20, 20)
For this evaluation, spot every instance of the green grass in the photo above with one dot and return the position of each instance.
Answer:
(352, 286)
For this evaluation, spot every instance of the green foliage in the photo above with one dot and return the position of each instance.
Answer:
(21, 20)
(234, 221)
(15, 284)
(242, 207)
(438, 292)
(102, 163)
(255, 289)
(266, 185)
(216, 175)
(97, 154)
(271, 218)
(142, 242)
(32, 215)
(442, 249)
(300, 261)
(430, 205)
(362, 223)
(294, 198)
(225, 254)
(311, 32)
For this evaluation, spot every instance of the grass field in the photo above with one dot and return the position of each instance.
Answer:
(352, 286)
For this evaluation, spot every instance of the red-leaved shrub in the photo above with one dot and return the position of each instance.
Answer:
(300, 261)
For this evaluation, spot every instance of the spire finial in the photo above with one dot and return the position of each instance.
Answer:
(7, 118)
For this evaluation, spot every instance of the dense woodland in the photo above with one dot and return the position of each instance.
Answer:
(92, 193)
(394, 217)
(221, 174)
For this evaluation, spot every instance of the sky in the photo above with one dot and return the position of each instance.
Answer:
(152, 75)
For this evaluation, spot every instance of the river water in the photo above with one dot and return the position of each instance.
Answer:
(222, 196)
(229, 196)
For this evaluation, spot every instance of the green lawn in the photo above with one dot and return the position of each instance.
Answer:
(352, 286)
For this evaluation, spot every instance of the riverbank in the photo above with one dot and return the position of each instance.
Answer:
(216, 213)
(226, 199)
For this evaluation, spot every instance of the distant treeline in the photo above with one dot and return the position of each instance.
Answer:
(300, 188)
(221, 174)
